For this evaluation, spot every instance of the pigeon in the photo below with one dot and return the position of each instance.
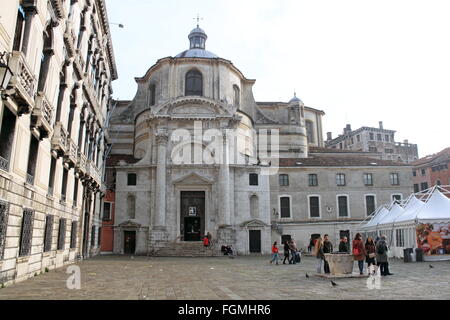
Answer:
(431, 267)
(333, 283)
(307, 275)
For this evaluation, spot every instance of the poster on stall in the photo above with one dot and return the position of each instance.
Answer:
(433, 239)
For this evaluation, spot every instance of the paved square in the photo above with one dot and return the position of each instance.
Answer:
(123, 277)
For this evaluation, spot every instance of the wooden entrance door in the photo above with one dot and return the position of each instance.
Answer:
(255, 241)
(192, 211)
(129, 242)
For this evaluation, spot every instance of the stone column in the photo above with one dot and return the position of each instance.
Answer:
(224, 185)
(160, 192)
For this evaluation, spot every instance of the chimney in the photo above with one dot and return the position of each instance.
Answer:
(405, 141)
(381, 125)
(349, 128)
(329, 136)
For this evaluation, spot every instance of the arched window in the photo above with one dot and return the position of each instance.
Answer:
(152, 93)
(310, 131)
(47, 53)
(237, 96)
(194, 83)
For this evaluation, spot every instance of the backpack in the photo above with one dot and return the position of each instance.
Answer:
(381, 249)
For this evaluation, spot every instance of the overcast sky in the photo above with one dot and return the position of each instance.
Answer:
(360, 61)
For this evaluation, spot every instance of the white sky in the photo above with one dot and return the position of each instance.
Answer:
(360, 61)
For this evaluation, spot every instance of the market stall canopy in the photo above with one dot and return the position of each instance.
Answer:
(410, 210)
(393, 214)
(436, 209)
(381, 213)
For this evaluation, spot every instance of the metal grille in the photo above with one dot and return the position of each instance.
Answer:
(26, 233)
(73, 235)
(4, 211)
(93, 237)
(62, 234)
(48, 233)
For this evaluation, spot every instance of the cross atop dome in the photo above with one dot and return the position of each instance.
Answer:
(198, 20)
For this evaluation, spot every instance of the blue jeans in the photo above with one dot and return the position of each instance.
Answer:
(274, 257)
(361, 265)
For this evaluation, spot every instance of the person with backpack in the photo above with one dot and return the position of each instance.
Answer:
(286, 252)
(359, 252)
(274, 253)
(318, 253)
(382, 258)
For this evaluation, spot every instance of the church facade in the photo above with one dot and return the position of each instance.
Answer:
(193, 153)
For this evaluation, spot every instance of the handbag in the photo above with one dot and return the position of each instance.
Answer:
(356, 252)
(371, 255)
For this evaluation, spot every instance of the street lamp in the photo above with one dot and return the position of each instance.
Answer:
(5, 72)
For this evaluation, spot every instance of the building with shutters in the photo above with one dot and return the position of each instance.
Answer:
(56, 68)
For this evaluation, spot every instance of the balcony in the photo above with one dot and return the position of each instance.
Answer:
(69, 39)
(71, 155)
(22, 85)
(93, 173)
(59, 139)
(42, 117)
(80, 167)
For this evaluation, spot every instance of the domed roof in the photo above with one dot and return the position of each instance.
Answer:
(295, 99)
(197, 40)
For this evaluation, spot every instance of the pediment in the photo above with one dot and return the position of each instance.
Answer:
(193, 179)
(255, 223)
(130, 224)
(193, 107)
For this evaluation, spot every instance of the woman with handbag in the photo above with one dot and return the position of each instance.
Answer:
(371, 252)
(359, 252)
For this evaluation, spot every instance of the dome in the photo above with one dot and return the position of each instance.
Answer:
(197, 40)
(295, 99)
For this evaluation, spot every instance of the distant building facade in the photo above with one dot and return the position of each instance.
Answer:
(432, 170)
(374, 140)
(53, 112)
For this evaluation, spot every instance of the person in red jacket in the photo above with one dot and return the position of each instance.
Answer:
(359, 252)
(206, 241)
(274, 253)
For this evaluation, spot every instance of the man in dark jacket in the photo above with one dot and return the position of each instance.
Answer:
(343, 245)
(327, 248)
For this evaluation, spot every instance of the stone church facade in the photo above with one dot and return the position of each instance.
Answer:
(193, 153)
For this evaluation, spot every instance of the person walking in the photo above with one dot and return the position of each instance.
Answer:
(327, 248)
(205, 241)
(318, 253)
(382, 258)
(286, 252)
(343, 245)
(359, 252)
(274, 253)
(370, 253)
(293, 249)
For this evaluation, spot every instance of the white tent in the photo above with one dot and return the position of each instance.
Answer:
(399, 221)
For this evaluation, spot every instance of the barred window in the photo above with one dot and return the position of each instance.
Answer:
(340, 179)
(26, 233)
(314, 205)
(368, 179)
(343, 206)
(48, 236)
(62, 234)
(370, 205)
(4, 212)
(285, 207)
(73, 235)
(312, 179)
(284, 180)
(93, 236)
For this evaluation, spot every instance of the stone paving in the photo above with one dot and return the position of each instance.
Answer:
(139, 278)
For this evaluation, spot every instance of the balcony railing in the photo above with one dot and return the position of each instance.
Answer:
(23, 83)
(69, 39)
(43, 115)
(81, 164)
(4, 164)
(59, 139)
(93, 172)
(71, 156)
